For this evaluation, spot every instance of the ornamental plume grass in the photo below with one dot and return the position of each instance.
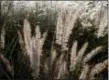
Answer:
(33, 46)
(66, 49)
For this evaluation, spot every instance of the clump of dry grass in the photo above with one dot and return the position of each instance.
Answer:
(65, 24)
(78, 61)
(32, 45)
(77, 57)
(88, 72)
(57, 65)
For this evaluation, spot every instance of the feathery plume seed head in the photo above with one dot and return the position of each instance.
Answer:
(82, 50)
(98, 68)
(27, 36)
(2, 38)
(78, 58)
(73, 54)
(84, 73)
(94, 52)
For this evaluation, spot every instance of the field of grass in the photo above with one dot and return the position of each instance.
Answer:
(48, 40)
